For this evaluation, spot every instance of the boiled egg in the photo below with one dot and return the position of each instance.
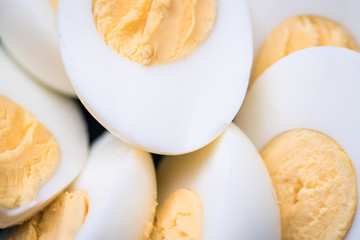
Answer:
(266, 15)
(303, 113)
(28, 32)
(43, 144)
(113, 198)
(224, 185)
(139, 88)
(121, 185)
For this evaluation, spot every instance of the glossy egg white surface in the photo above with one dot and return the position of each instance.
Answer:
(267, 15)
(120, 181)
(316, 88)
(233, 183)
(62, 118)
(28, 32)
(169, 109)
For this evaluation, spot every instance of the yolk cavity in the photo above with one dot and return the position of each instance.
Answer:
(61, 220)
(298, 33)
(180, 216)
(154, 31)
(29, 155)
(315, 183)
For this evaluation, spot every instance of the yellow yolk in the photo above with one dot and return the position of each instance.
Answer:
(149, 225)
(315, 183)
(297, 33)
(61, 220)
(54, 4)
(180, 216)
(29, 155)
(154, 31)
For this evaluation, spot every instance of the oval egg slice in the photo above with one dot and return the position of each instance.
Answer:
(316, 88)
(28, 32)
(233, 185)
(266, 15)
(60, 118)
(171, 108)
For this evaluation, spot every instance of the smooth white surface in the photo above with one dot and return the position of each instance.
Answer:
(120, 182)
(316, 88)
(232, 181)
(28, 31)
(266, 15)
(62, 118)
(170, 109)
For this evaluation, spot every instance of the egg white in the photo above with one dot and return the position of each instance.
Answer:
(28, 32)
(65, 122)
(233, 183)
(316, 88)
(267, 15)
(120, 181)
(169, 109)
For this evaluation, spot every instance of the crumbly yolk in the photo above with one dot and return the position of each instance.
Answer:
(61, 220)
(154, 31)
(298, 33)
(180, 216)
(29, 155)
(315, 183)
(149, 225)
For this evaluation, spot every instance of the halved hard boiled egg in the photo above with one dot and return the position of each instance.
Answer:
(44, 144)
(28, 32)
(113, 198)
(303, 113)
(224, 187)
(298, 25)
(172, 104)
(266, 15)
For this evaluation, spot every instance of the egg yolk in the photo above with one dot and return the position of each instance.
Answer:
(54, 4)
(180, 216)
(61, 220)
(29, 155)
(154, 31)
(149, 224)
(315, 183)
(298, 33)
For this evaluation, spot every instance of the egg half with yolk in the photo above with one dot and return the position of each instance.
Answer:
(303, 114)
(113, 198)
(165, 76)
(221, 191)
(279, 31)
(44, 144)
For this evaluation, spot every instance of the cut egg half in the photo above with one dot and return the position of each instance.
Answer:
(168, 109)
(235, 189)
(28, 32)
(317, 89)
(119, 188)
(62, 118)
(267, 15)
(121, 185)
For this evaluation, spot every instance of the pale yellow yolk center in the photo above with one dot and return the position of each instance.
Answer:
(154, 31)
(315, 183)
(298, 33)
(29, 155)
(54, 4)
(61, 220)
(180, 216)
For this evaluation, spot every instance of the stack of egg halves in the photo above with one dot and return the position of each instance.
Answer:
(256, 144)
